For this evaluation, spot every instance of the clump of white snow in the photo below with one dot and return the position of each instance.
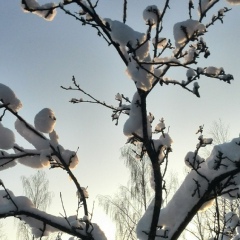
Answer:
(160, 126)
(224, 155)
(7, 96)
(124, 35)
(70, 157)
(213, 71)
(193, 160)
(189, 29)
(151, 15)
(97, 232)
(135, 48)
(190, 73)
(7, 138)
(133, 125)
(6, 162)
(162, 42)
(204, 5)
(54, 138)
(231, 192)
(38, 227)
(46, 11)
(25, 131)
(231, 220)
(44, 157)
(169, 60)
(233, 2)
(161, 145)
(118, 97)
(84, 191)
(31, 161)
(142, 76)
(45, 120)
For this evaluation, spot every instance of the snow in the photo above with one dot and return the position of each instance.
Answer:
(32, 161)
(123, 34)
(175, 211)
(224, 155)
(162, 42)
(231, 220)
(8, 97)
(190, 73)
(97, 233)
(189, 29)
(134, 122)
(223, 159)
(195, 89)
(25, 131)
(5, 161)
(7, 139)
(133, 125)
(142, 77)
(45, 120)
(85, 193)
(237, 237)
(161, 60)
(118, 97)
(70, 158)
(233, 2)
(54, 138)
(193, 160)
(160, 126)
(33, 217)
(164, 142)
(126, 37)
(190, 55)
(44, 157)
(158, 72)
(213, 71)
(205, 4)
(46, 11)
(151, 15)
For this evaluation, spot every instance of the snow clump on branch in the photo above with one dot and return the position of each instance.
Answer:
(46, 11)
(193, 161)
(223, 159)
(164, 142)
(45, 120)
(70, 157)
(134, 47)
(234, 2)
(133, 125)
(187, 30)
(7, 139)
(37, 141)
(151, 15)
(162, 42)
(15, 204)
(8, 97)
(5, 161)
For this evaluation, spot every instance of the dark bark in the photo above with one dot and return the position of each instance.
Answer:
(147, 141)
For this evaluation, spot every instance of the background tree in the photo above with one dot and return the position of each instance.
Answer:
(36, 188)
(130, 202)
(149, 59)
(219, 132)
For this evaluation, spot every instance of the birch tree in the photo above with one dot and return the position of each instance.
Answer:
(36, 189)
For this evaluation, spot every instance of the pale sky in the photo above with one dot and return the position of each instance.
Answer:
(37, 57)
